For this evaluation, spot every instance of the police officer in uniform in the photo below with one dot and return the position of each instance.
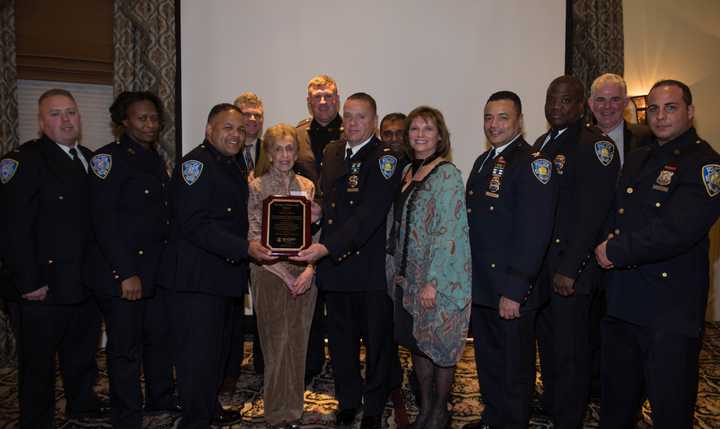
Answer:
(207, 264)
(511, 205)
(45, 200)
(586, 166)
(129, 188)
(358, 183)
(317, 132)
(657, 253)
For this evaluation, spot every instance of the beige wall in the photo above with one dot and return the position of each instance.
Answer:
(680, 40)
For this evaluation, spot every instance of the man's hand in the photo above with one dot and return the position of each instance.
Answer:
(303, 281)
(259, 252)
(601, 256)
(427, 296)
(131, 288)
(315, 212)
(251, 176)
(563, 285)
(37, 294)
(312, 254)
(508, 308)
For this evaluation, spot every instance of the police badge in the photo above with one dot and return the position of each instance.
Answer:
(604, 151)
(559, 163)
(542, 170)
(353, 181)
(387, 166)
(8, 167)
(191, 171)
(664, 179)
(711, 178)
(101, 165)
(355, 167)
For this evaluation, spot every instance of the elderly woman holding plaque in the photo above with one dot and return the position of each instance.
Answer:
(431, 252)
(284, 291)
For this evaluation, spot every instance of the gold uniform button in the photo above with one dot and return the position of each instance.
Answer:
(621, 210)
(229, 209)
(352, 202)
(330, 221)
(332, 205)
(664, 275)
(116, 277)
(61, 198)
(147, 191)
(557, 240)
(357, 253)
(469, 210)
(140, 252)
(471, 192)
(492, 208)
(492, 265)
(617, 231)
(629, 190)
(50, 261)
(657, 204)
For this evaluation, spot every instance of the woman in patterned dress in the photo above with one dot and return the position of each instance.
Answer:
(432, 259)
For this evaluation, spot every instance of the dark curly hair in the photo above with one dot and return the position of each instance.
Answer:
(119, 108)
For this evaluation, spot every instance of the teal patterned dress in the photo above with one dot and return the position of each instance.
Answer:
(433, 239)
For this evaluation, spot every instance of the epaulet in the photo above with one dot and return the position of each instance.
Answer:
(305, 122)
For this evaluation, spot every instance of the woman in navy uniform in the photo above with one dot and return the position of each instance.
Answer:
(130, 218)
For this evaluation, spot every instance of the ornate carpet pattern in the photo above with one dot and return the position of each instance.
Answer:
(320, 405)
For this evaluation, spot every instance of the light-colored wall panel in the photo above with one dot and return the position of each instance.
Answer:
(451, 55)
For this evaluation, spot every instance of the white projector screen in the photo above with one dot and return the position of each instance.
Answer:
(447, 54)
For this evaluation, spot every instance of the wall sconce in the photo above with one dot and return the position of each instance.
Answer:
(640, 102)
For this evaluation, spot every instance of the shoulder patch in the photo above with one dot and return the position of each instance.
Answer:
(191, 171)
(542, 169)
(8, 167)
(388, 163)
(711, 178)
(101, 165)
(605, 151)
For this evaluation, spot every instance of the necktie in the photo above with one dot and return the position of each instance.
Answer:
(76, 160)
(248, 158)
(552, 135)
(348, 156)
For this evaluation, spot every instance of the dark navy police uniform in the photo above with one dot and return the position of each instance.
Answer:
(45, 203)
(129, 187)
(586, 166)
(511, 206)
(205, 267)
(357, 195)
(665, 204)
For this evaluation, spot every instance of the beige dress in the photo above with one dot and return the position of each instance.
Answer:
(283, 320)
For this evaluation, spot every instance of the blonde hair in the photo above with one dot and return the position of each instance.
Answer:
(322, 80)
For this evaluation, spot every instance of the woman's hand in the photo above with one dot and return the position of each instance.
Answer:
(427, 296)
(303, 282)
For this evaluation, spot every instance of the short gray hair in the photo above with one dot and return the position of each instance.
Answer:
(608, 78)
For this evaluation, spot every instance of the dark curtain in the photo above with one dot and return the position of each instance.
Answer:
(8, 141)
(594, 39)
(144, 40)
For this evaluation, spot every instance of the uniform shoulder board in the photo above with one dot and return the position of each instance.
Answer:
(388, 163)
(711, 178)
(605, 151)
(8, 167)
(101, 165)
(542, 169)
(191, 171)
(304, 122)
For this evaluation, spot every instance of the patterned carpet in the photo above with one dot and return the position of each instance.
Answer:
(320, 405)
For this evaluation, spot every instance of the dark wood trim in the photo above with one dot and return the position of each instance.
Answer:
(39, 67)
(178, 88)
(569, 35)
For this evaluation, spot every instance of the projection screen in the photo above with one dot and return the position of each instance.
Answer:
(448, 54)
